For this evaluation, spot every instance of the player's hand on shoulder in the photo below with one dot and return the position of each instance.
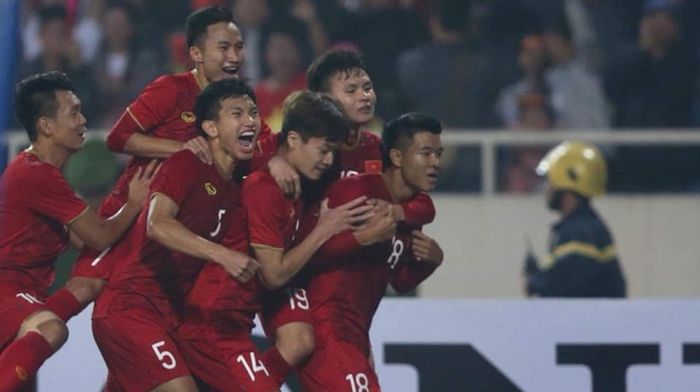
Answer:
(286, 176)
(200, 147)
(239, 265)
(426, 249)
(140, 183)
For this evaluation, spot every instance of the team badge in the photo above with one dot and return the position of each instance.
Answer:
(373, 166)
(21, 373)
(211, 189)
(188, 117)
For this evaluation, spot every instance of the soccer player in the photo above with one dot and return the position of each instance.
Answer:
(40, 215)
(223, 311)
(343, 75)
(349, 279)
(157, 124)
(161, 255)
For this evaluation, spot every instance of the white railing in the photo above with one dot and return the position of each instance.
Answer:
(490, 140)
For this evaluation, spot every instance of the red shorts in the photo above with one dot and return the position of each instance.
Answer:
(15, 306)
(94, 264)
(338, 366)
(135, 339)
(230, 363)
(285, 306)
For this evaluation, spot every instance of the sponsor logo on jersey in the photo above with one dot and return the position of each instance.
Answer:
(373, 166)
(188, 117)
(211, 189)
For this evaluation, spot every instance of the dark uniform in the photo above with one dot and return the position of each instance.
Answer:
(583, 260)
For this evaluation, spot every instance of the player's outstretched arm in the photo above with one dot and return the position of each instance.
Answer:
(279, 267)
(98, 233)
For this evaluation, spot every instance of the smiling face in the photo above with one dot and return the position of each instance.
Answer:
(220, 53)
(420, 161)
(355, 93)
(67, 128)
(311, 158)
(237, 125)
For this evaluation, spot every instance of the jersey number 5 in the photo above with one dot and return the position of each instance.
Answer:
(166, 358)
(218, 225)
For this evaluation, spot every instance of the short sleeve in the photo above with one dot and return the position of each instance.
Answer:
(266, 209)
(47, 192)
(178, 175)
(154, 104)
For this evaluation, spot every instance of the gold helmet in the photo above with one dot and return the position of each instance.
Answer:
(575, 166)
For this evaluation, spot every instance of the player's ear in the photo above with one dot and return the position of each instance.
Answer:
(209, 127)
(196, 54)
(44, 126)
(293, 139)
(395, 156)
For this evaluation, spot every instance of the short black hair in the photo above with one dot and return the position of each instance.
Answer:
(208, 102)
(321, 71)
(35, 96)
(398, 133)
(200, 20)
(312, 114)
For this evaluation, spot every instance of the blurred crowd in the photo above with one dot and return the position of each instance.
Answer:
(523, 65)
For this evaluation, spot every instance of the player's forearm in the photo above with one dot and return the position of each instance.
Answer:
(173, 235)
(100, 234)
(295, 259)
(151, 147)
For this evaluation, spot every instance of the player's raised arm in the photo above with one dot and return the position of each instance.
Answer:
(100, 234)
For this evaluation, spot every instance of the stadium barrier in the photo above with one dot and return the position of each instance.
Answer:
(423, 345)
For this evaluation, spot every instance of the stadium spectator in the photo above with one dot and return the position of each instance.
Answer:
(122, 68)
(576, 95)
(285, 65)
(253, 17)
(61, 52)
(651, 84)
(518, 163)
(584, 260)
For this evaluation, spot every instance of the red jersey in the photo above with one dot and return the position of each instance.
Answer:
(365, 156)
(349, 280)
(36, 205)
(272, 217)
(204, 198)
(164, 109)
(219, 301)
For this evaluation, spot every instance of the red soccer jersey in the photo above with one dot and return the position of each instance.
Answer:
(218, 301)
(272, 217)
(204, 198)
(164, 109)
(348, 280)
(36, 204)
(365, 156)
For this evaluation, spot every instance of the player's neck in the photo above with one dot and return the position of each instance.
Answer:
(353, 139)
(200, 78)
(397, 187)
(223, 161)
(49, 153)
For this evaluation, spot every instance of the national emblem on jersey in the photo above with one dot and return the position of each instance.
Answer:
(188, 117)
(211, 189)
(373, 166)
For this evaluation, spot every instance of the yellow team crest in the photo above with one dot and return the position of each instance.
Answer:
(188, 117)
(211, 189)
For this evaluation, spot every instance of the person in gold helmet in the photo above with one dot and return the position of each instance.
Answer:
(582, 261)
